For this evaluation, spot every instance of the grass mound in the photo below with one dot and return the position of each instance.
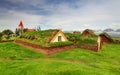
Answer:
(104, 62)
(13, 51)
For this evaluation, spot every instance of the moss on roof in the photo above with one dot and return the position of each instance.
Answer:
(44, 35)
(106, 35)
(90, 39)
(87, 31)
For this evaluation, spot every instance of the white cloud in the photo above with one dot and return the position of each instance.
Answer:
(12, 19)
(115, 25)
(93, 15)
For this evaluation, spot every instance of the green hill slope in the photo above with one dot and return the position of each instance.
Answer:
(71, 62)
(110, 53)
(13, 51)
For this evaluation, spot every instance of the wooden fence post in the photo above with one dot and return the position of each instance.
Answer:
(99, 43)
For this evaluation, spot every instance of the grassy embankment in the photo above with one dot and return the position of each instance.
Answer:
(11, 50)
(104, 62)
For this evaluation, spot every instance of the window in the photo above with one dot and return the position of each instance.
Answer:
(59, 38)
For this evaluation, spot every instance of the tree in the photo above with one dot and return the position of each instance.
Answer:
(1, 36)
(7, 33)
(38, 28)
(17, 32)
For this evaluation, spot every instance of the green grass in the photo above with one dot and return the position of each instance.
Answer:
(51, 67)
(107, 59)
(116, 38)
(104, 62)
(39, 42)
(110, 52)
(13, 51)
(11, 38)
(87, 39)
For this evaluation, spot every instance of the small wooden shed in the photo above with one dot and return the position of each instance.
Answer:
(87, 32)
(76, 32)
(104, 38)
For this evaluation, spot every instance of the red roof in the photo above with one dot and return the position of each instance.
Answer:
(21, 24)
(29, 30)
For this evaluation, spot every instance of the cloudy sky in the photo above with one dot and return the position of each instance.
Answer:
(65, 14)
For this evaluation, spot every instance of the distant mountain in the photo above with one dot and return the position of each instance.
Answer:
(108, 30)
(118, 30)
(99, 30)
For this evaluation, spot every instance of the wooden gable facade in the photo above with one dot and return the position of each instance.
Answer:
(58, 37)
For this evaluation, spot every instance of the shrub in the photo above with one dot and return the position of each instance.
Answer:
(61, 43)
(116, 41)
(7, 33)
(1, 36)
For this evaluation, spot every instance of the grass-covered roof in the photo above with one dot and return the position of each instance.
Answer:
(106, 35)
(45, 35)
(42, 37)
(87, 32)
(89, 39)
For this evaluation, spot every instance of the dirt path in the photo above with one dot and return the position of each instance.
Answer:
(51, 59)
(4, 59)
(61, 60)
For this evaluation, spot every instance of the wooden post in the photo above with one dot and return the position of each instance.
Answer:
(99, 43)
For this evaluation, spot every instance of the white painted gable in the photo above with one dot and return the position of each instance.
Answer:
(56, 39)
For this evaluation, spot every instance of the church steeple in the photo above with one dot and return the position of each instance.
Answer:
(20, 24)
(21, 27)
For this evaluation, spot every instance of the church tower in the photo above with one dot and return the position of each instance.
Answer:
(21, 27)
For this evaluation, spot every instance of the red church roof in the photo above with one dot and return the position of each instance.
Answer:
(21, 24)
(29, 30)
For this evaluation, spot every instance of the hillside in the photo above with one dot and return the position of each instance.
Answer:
(76, 61)
(10, 50)
(109, 53)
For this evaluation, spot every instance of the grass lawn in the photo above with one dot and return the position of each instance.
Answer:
(13, 51)
(51, 67)
(104, 62)
(110, 52)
